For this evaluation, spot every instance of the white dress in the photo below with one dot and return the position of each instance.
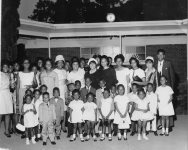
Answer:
(121, 76)
(29, 117)
(79, 75)
(62, 76)
(106, 105)
(165, 108)
(6, 102)
(122, 102)
(37, 104)
(89, 111)
(77, 114)
(138, 72)
(139, 115)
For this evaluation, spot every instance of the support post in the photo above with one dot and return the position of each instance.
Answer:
(49, 47)
(120, 43)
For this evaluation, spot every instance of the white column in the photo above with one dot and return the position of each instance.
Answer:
(120, 43)
(49, 47)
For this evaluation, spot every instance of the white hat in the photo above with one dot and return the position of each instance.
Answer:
(59, 58)
(92, 59)
(149, 58)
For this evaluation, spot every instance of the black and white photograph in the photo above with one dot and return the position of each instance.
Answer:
(93, 74)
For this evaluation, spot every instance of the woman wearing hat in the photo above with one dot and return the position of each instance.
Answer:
(62, 79)
(151, 72)
(93, 73)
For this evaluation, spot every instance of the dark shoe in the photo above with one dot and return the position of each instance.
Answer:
(97, 134)
(125, 139)
(115, 134)
(147, 132)
(170, 129)
(44, 143)
(161, 134)
(166, 134)
(159, 127)
(23, 136)
(85, 134)
(58, 137)
(40, 139)
(11, 131)
(7, 135)
(53, 143)
(132, 134)
(155, 133)
(36, 139)
(102, 139)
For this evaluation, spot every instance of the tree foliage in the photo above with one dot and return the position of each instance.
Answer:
(10, 24)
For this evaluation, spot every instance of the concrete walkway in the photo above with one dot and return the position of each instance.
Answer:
(178, 140)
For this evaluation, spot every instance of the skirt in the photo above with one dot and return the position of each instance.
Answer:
(21, 96)
(6, 102)
(166, 109)
(138, 115)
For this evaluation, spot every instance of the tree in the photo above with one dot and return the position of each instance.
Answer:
(10, 24)
(44, 11)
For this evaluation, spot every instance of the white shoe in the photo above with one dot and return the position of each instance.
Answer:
(33, 140)
(27, 142)
(145, 137)
(139, 137)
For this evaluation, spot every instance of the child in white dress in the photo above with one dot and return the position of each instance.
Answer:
(142, 113)
(121, 116)
(106, 110)
(76, 114)
(90, 115)
(165, 96)
(36, 102)
(152, 97)
(29, 111)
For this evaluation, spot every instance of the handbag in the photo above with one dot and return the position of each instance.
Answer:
(123, 124)
(19, 126)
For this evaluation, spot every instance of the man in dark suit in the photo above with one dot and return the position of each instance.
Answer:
(87, 89)
(165, 68)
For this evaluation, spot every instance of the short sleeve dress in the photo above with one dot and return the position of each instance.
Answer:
(106, 105)
(165, 108)
(37, 104)
(6, 103)
(77, 114)
(29, 117)
(139, 115)
(89, 112)
(121, 102)
(122, 77)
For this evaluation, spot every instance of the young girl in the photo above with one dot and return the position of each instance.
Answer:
(141, 113)
(165, 96)
(36, 102)
(43, 88)
(76, 114)
(90, 115)
(113, 91)
(122, 111)
(29, 111)
(106, 110)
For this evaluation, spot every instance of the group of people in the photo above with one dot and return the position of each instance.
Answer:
(92, 99)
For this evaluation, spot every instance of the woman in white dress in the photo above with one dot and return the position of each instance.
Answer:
(26, 80)
(49, 77)
(137, 75)
(62, 76)
(6, 103)
(121, 116)
(76, 74)
(122, 73)
(165, 97)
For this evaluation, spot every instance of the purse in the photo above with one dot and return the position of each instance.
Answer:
(19, 126)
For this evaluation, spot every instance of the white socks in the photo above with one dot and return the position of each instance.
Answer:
(167, 130)
(163, 130)
(139, 137)
(119, 135)
(125, 135)
(33, 140)
(145, 137)
(38, 135)
(74, 136)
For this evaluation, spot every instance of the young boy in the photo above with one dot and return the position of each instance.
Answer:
(152, 97)
(59, 109)
(133, 97)
(43, 88)
(68, 99)
(47, 118)
(87, 89)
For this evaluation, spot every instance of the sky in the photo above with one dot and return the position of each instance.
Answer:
(26, 8)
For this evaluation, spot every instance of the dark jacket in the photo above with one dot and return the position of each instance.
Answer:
(84, 92)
